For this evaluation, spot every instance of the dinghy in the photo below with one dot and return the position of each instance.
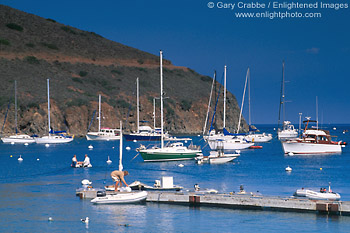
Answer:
(322, 194)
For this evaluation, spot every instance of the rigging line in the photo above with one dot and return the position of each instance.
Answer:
(93, 116)
(281, 97)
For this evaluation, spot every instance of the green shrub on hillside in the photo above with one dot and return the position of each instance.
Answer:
(33, 105)
(117, 72)
(122, 103)
(140, 61)
(32, 60)
(4, 41)
(206, 78)
(76, 102)
(30, 45)
(169, 111)
(83, 73)
(50, 46)
(51, 20)
(68, 29)
(77, 80)
(14, 26)
(186, 105)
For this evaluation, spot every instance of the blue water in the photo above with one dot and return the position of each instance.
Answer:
(32, 191)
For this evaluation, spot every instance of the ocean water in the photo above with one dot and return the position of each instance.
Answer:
(33, 190)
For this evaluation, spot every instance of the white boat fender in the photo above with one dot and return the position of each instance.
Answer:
(86, 220)
(12, 143)
(50, 219)
(128, 148)
(90, 147)
(86, 182)
(135, 140)
(47, 145)
(26, 144)
(181, 165)
(290, 153)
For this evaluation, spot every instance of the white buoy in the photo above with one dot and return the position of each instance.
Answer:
(274, 128)
(127, 148)
(334, 128)
(37, 159)
(181, 165)
(12, 143)
(86, 220)
(26, 144)
(47, 145)
(290, 153)
(20, 158)
(135, 140)
(185, 141)
(50, 219)
(109, 161)
(288, 169)
(90, 147)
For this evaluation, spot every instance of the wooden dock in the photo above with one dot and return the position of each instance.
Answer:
(245, 201)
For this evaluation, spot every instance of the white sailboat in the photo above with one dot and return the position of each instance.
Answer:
(218, 157)
(173, 151)
(104, 134)
(288, 131)
(53, 137)
(121, 197)
(17, 138)
(229, 141)
(253, 136)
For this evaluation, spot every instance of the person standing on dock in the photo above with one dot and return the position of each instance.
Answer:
(118, 178)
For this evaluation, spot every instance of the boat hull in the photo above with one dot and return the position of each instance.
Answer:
(121, 198)
(132, 137)
(53, 140)
(258, 137)
(287, 134)
(229, 145)
(163, 155)
(313, 195)
(18, 139)
(96, 137)
(310, 148)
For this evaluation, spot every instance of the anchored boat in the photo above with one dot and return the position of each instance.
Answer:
(323, 194)
(312, 141)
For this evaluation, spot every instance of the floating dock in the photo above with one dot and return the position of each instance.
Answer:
(242, 201)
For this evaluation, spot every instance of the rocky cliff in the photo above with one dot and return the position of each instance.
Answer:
(81, 65)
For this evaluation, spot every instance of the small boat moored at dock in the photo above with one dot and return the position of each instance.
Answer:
(322, 194)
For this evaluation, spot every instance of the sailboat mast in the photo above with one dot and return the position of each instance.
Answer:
(249, 115)
(154, 113)
(161, 98)
(48, 104)
(240, 115)
(138, 108)
(281, 98)
(16, 105)
(224, 97)
(99, 112)
(211, 92)
(121, 147)
(316, 112)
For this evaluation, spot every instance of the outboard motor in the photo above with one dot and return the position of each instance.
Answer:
(101, 193)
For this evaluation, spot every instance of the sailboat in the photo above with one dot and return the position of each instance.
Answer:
(253, 136)
(105, 134)
(173, 151)
(288, 131)
(17, 138)
(143, 133)
(226, 139)
(54, 137)
(120, 197)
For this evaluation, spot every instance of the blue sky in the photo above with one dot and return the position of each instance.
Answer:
(316, 50)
